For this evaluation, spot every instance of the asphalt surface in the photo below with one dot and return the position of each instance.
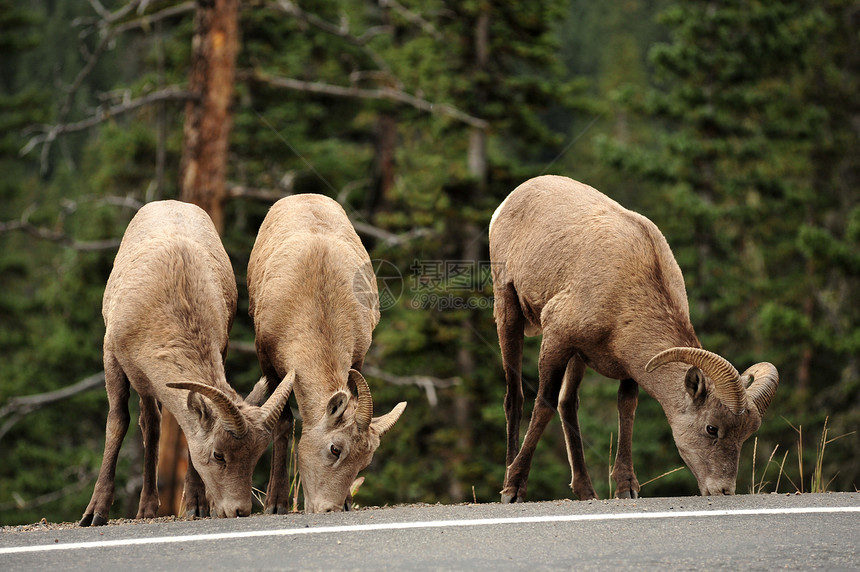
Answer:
(761, 532)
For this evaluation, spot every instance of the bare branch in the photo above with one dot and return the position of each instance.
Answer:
(83, 480)
(100, 10)
(340, 30)
(428, 383)
(127, 202)
(361, 226)
(147, 20)
(256, 193)
(60, 237)
(247, 348)
(413, 18)
(389, 238)
(123, 12)
(18, 407)
(50, 132)
(92, 60)
(343, 195)
(106, 23)
(108, 31)
(31, 402)
(381, 93)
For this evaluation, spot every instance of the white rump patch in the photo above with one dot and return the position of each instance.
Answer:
(497, 211)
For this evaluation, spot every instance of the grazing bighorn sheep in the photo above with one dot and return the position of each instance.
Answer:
(168, 307)
(600, 283)
(314, 301)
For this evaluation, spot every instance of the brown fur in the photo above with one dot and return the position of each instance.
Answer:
(314, 302)
(168, 307)
(602, 286)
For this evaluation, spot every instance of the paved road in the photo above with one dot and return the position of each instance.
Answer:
(763, 532)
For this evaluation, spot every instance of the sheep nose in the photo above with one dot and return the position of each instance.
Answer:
(234, 512)
(726, 489)
(715, 487)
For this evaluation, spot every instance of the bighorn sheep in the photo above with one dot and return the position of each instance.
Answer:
(168, 307)
(314, 301)
(600, 283)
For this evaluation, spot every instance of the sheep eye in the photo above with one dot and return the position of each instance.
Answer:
(712, 431)
(219, 457)
(335, 450)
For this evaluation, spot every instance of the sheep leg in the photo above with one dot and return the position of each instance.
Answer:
(278, 490)
(551, 368)
(510, 326)
(194, 493)
(118, 420)
(150, 428)
(568, 409)
(622, 472)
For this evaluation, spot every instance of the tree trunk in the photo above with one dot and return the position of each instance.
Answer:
(470, 251)
(384, 165)
(384, 168)
(208, 121)
(172, 465)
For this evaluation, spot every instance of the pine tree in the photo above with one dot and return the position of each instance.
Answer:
(744, 161)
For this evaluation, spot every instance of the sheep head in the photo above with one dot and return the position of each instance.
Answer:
(230, 438)
(721, 409)
(332, 451)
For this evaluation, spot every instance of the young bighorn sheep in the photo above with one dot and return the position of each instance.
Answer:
(168, 307)
(600, 283)
(314, 301)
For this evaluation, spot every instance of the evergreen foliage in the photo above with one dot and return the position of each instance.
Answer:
(731, 125)
(744, 168)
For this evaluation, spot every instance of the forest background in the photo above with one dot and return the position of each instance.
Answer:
(734, 126)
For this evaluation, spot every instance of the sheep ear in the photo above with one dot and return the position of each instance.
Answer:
(695, 384)
(198, 406)
(335, 408)
(257, 396)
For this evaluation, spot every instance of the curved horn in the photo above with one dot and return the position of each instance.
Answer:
(277, 401)
(765, 379)
(364, 409)
(727, 381)
(382, 424)
(233, 419)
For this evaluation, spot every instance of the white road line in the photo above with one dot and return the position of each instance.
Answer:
(425, 524)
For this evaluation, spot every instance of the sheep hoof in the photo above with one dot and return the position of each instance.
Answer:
(196, 512)
(99, 520)
(277, 509)
(93, 519)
